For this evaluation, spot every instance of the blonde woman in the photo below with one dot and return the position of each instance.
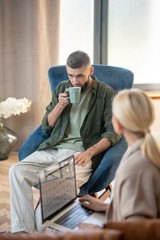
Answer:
(136, 193)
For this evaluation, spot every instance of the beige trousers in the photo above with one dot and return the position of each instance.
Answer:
(23, 175)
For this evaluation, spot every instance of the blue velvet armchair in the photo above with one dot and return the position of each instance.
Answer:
(118, 78)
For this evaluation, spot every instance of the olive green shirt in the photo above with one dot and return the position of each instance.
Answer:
(96, 124)
(72, 138)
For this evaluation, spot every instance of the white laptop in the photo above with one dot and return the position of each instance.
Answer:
(60, 206)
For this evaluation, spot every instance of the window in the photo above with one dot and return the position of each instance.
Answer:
(76, 28)
(134, 37)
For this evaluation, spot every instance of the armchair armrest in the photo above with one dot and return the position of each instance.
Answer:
(105, 172)
(32, 143)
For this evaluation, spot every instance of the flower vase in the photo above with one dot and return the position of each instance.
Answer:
(7, 140)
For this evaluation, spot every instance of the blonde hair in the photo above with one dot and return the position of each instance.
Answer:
(134, 109)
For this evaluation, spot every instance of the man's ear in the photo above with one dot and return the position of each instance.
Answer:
(91, 70)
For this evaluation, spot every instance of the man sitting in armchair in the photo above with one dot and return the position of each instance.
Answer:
(83, 130)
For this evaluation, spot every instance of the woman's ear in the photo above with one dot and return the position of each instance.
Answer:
(117, 125)
(120, 127)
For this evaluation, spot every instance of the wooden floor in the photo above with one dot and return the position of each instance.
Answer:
(5, 191)
(5, 217)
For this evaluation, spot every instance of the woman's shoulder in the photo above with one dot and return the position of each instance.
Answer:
(136, 163)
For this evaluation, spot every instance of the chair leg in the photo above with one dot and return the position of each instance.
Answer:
(105, 193)
(93, 195)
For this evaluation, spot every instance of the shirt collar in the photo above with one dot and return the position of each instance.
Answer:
(132, 149)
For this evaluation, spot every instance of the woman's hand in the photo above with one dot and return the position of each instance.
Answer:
(93, 203)
(88, 226)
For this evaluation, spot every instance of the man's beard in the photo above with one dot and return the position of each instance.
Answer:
(84, 86)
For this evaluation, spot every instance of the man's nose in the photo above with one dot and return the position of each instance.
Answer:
(74, 80)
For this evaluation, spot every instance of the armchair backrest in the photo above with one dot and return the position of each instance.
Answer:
(116, 77)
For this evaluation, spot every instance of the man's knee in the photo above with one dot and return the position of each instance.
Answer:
(14, 170)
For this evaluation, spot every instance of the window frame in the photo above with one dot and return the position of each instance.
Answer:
(100, 51)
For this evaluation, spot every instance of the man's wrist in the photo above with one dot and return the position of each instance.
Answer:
(61, 105)
(55, 114)
(90, 151)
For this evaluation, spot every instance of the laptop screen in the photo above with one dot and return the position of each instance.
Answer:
(57, 187)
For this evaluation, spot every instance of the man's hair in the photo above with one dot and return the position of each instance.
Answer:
(78, 59)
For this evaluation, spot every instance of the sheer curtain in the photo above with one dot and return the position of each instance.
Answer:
(29, 45)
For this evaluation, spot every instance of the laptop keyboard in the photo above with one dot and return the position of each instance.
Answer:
(71, 218)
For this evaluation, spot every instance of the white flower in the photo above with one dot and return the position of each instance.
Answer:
(12, 106)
